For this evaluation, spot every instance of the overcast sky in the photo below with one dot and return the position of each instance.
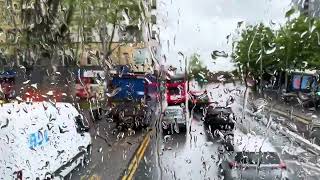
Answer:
(201, 26)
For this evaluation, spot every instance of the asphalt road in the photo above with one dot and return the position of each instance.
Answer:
(111, 152)
(188, 155)
(194, 154)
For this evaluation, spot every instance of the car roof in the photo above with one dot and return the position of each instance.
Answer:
(252, 143)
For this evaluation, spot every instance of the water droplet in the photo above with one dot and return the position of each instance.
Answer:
(188, 161)
(270, 51)
(217, 53)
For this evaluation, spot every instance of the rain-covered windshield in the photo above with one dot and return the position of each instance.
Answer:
(159, 89)
(257, 158)
(174, 91)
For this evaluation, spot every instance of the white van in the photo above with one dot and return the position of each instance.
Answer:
(174, 119)
(41, 140)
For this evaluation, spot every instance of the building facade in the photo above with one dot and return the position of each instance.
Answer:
(136, 46)
(133, 44)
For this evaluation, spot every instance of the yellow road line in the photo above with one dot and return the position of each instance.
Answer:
(137, 158)
(135, 167)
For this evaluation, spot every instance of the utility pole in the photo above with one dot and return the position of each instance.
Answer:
(261, 56)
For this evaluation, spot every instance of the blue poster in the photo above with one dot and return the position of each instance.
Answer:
(296, 82)
(306, 82)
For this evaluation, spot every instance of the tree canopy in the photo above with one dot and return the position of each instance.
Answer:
(196, 68)
(44, 28)
(295, 46)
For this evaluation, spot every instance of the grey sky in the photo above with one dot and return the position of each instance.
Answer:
(201, 26)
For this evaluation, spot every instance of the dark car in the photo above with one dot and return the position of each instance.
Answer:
(130, 115)
(221, 118)
(198, 100)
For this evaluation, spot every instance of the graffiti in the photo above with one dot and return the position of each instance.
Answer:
(39, 138)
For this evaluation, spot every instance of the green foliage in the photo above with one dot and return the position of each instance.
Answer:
(196, 68)
(296, 45)
(45, 27)
(289, 13)
(255, 47)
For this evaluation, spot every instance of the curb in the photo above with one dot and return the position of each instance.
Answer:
(295, 137)
(296, 117)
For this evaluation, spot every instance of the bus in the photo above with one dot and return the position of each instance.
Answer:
(176, 90)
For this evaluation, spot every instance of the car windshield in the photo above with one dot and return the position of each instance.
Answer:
(171, 112)
(257, 158)
(158, 89)
(174, 91)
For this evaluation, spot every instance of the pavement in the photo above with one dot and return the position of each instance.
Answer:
(111, 152)
(292, 112)
(293, 108)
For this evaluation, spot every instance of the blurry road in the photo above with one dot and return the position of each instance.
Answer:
(188, 155)
(111, 153)
(194, 154)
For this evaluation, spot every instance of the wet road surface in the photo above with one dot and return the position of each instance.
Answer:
(186, 155)
(110, 155)
(194, 154)
(111, 152)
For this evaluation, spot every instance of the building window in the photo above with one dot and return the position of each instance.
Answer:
(153, 19)
(126, 58)
(89, 60)
(16, 7)
(154, 4)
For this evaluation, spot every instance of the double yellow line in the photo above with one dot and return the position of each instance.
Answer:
(133, 166)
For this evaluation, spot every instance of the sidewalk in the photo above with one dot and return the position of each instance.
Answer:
(294, 111)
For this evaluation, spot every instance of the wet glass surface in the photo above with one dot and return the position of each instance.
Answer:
(159, 89)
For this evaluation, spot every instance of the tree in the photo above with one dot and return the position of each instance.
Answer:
(45, 27)
(254, 53)
(295, 46)
(196, 68)
(41, 31)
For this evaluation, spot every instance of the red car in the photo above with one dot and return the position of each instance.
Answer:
(176, 90)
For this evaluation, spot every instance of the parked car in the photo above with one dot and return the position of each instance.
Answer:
(220, 118)
(174, 120)
(253, 157)
(40, 140)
